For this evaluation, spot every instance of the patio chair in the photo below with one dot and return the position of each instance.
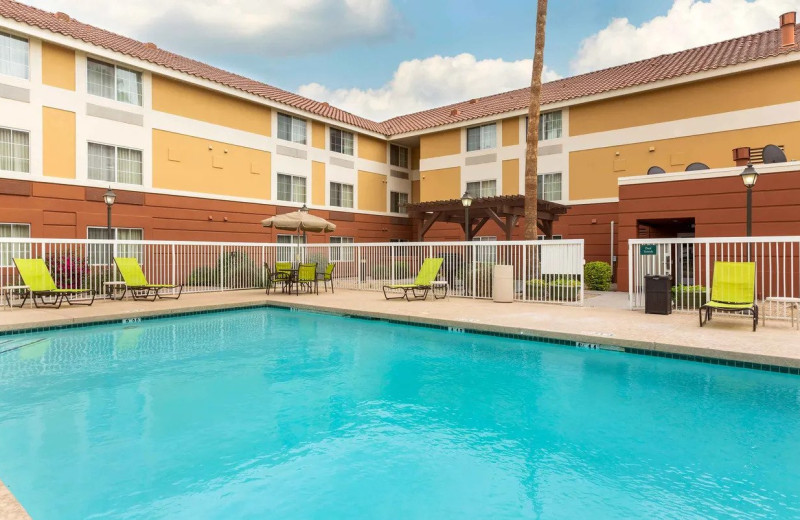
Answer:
(137, 284)
(276, 277)
(307, 277)
(327, 276)
(421, 286)
(732, 290)
(40, 284)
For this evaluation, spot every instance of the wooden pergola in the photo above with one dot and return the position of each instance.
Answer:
(504, 210)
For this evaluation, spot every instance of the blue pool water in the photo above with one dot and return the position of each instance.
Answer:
(276, 414)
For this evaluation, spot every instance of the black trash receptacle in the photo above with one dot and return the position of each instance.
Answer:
(657, 298)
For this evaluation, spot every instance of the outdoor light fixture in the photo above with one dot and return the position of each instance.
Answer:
(466, 201)
(304, 209)
(109, 197)
(749, 177)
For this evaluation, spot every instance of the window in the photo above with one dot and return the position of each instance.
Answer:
(112, 82)
(398, 202)
(291, 188)
(548, 186)
(481, 137)
(286, 248)
(549, 126)
(13, 55)
(398, 156)
(98, 253)
(115, 164)
(341, 195)
(9, 251)
(480, 189)
(341, 254)
(14, 151)
(291, 129)
(545, 237)
(486, 254)
(341, 141)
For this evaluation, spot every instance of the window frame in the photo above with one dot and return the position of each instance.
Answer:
(13, 37)
(482, 137)
(540, 183)
(338, 253)
(93, 251)
(481, 189)
(341, 186)
(292, 188)
(407, 156)
(292, 138)
(482, 255)
(116, 163)
(400, 205)
(15, 160)
(8, 251)
(283, 251)
(542, 117)
(117, 92)
(341, 141)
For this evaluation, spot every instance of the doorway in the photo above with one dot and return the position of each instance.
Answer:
(682, 256)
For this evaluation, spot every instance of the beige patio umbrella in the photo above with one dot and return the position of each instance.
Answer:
(300, 220)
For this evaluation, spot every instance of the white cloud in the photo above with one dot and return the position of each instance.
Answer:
(431, 82)
(689, 23)
(279, 27)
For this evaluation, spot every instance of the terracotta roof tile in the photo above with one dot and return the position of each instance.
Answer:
(709, 57)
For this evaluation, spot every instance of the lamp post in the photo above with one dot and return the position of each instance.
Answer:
(109, 197)
(466, 201)
(749, 177)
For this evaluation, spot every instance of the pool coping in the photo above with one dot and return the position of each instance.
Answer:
(714, 356)
(10, 508)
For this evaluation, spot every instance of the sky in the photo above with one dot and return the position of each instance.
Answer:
(383, 58)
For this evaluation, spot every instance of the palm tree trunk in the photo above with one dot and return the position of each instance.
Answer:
(532, 150)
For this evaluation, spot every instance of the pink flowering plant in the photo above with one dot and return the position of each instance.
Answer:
(68, 270)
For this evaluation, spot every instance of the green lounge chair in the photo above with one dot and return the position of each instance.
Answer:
(136, 282)
(35, 275)
(327, 276)
(421, 286)
(732, 290)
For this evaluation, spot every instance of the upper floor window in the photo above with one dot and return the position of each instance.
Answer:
(341, 141)
(13, 55)
(398, 156)
(341, 195)
(480, 189)
(548, 186)
(114, 82)
(11, 250)
(398, 202)
(549, 125)
(14, 151)
(291, 188)
(115, 164)
(481, 137)
(291, 129)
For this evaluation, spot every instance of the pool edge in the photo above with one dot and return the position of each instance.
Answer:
(10, 508)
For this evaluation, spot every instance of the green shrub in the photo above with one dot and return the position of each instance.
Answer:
(384, 271)
(535, 289)
(689, 296)
(597, 276)
(565, 289)
(484, 279)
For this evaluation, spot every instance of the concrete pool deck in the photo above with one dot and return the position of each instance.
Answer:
(727, 338)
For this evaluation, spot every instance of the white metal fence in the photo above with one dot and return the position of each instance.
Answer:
(690, 263)
(544, 271)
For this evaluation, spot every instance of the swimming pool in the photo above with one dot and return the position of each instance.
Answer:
(271, 413)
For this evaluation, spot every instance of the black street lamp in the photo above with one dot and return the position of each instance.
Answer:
(466, 201)
(749, 178)
(109, 197)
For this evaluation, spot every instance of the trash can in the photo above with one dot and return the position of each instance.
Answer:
(657, 297)
(503, 284)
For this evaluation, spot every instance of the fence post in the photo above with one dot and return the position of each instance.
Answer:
(174, 265)
(473, 267)
(393, 261)
(358, 265)
(582, 260)
(222, 268)
(631, 292)
(708, 268)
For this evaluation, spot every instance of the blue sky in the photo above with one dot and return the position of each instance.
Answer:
(381, 58)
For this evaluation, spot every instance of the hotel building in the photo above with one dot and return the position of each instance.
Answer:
(198, 153)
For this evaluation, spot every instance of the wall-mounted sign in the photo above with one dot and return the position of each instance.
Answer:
(648, 249)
